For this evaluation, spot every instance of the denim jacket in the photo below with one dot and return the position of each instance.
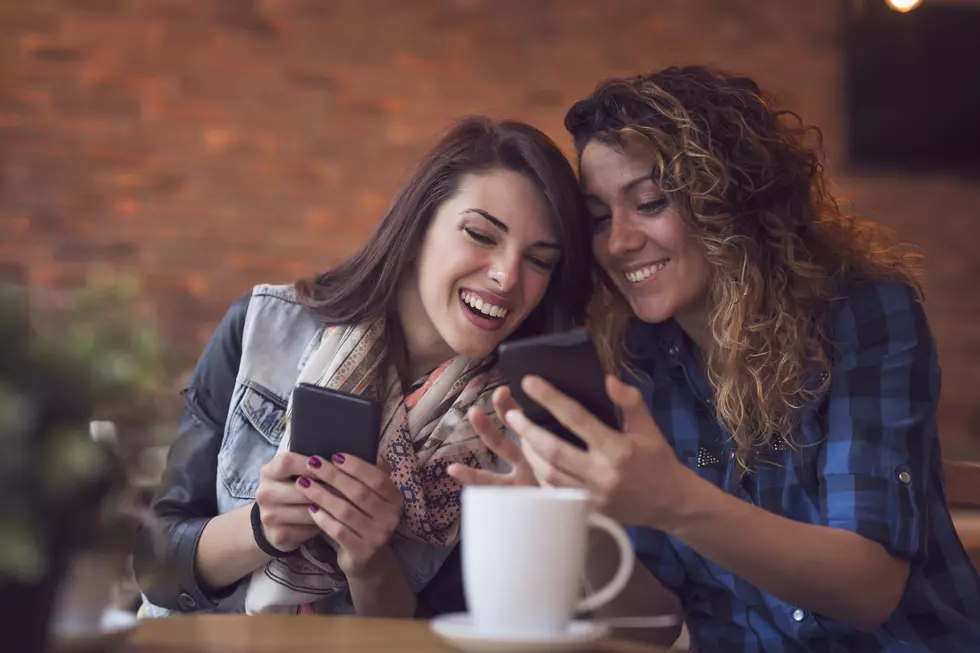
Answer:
(256, 353)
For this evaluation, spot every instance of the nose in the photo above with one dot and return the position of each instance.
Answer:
(624, 236)
(505, 271)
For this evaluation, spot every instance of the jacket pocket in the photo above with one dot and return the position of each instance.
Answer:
(252, 435)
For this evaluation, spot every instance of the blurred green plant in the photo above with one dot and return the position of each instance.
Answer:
(65, 360)
(100, 326)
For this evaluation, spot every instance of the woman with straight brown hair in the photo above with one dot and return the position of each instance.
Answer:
(488, 240)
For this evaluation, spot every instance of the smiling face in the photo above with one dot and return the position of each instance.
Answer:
(484, 265)
(640, 239)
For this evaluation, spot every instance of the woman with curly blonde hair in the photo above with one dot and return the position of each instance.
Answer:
(779, 454)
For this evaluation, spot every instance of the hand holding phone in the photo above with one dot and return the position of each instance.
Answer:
(327, 422)
(569, 361)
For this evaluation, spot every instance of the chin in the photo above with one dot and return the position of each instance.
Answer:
(474, 347)
(476, 351)
(652, 313)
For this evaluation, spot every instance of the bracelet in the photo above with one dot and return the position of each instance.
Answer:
(259, 536)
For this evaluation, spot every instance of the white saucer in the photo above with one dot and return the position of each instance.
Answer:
(114, 627)
(457, 630)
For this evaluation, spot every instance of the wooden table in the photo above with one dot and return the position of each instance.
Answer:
(963, 497)
(307, 634)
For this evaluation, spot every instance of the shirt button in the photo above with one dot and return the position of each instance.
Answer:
(904, 477)
(673, 349)
(799, 615)
(187, 601)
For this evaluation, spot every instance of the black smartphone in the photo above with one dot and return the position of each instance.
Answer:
(570, 362)
(325, 422)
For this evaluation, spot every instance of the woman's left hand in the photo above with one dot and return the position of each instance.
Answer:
(633, 474)
(362, 519)
(499, 444)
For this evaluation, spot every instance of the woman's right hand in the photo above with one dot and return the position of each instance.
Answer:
(496, 441)
(283, 509)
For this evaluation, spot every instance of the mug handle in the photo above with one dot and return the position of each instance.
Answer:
(622, 575)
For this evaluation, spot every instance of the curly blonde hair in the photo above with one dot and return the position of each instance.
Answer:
(749, 181)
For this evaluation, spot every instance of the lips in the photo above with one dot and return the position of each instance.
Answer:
(641, 274)
(485, 304)
(482, 317)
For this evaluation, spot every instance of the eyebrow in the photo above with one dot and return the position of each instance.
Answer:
(497, 222)
(625, 188)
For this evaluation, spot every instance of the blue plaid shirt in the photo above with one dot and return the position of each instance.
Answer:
(870, 463)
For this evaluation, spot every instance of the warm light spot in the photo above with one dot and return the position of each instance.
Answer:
(217, 140)
(409, 62)
(318, 218)
(128, 180)
(127, 207)
(903, 5)
(393, 105)
(373, 203)
(196, 284)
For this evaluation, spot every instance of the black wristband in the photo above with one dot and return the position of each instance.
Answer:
(259, 536)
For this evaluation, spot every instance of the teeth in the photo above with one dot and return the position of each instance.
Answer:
(636, 276)
(484, 307)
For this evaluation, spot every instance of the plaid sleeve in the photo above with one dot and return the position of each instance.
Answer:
(654, 550)
(880, 418)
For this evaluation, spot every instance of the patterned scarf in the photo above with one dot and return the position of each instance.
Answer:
(422, 433)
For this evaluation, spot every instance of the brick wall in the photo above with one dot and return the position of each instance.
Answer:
(213, 144)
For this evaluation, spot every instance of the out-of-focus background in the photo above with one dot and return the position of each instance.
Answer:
(199, 147)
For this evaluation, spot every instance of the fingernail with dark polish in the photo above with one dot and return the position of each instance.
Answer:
(338, 458)
(314, 507)
(315, 462)
(305, 482)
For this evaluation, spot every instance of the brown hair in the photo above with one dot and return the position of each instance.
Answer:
(749, 181)
(362, 289)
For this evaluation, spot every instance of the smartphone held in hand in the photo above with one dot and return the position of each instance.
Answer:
(326, 422)
(569, 361)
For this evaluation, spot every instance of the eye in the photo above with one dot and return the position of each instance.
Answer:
(545, 265)
(478, 237)
(600, 221)
(654, 206)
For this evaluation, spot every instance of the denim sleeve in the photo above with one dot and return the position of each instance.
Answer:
(874, 467)
(186, 499)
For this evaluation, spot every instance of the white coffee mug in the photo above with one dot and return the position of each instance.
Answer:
(524, 552)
